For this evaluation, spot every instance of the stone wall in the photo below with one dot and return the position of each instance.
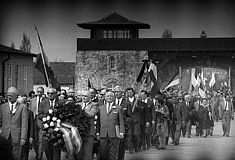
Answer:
(96, 66)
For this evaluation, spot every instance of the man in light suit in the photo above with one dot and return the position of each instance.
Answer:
(227, 115)
(33, 106)
(52, 152)
(111, 128)
(91, 109)
(14, 122)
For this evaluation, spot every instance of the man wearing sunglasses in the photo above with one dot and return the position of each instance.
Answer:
(52, 152)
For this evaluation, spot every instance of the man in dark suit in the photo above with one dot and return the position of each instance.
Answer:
(52, 152)
(14, 122)
(147, 117)
(180, 117)
(91, 109)
(126, 110)
(134, 124)
(111, 128)
(33, 107)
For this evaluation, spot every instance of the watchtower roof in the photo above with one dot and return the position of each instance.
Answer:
(114, 20)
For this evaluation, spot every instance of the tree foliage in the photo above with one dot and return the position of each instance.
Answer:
(167, 33)
(25, 44)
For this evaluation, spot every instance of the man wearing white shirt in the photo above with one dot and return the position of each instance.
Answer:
(134, 124)
(126, 110)
(14, 122)
(33, 106)
(111, 128)
(227, 115)
(91, 109)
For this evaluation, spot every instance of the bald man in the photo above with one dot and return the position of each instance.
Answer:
(91, 109)
(14, 122)
(111, 127)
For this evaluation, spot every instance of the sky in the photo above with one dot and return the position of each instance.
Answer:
(57, 21)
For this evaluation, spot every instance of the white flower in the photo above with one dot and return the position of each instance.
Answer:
(50, 111)
(44, 119)
(52, 124)
(46, 125)
(58, 121)
(58, 125)
(54, 118)
(56, 129)
(48, 118)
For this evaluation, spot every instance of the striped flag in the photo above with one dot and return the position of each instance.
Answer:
(212, 81)
(152, 72)
(72, 139)
(43, 65)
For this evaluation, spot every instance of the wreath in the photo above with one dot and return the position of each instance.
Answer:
(65, 113)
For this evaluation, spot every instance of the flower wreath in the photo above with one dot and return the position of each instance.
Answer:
(64, 115)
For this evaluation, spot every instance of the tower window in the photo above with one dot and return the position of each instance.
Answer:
(112, 62)
(116, 34)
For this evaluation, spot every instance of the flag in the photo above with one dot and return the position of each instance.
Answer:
(143, 70)
(43, 65)
(152, 72)
(212, 81)
(89, 84)
(173, 83)
(193, 79)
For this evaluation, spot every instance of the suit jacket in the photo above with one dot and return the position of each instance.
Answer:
(126, 112)
(43, 110)
(15, 124)
(135, 114)
(91, 110)
(180, 112)
(230, 107)
(150, 111)
(108, 123)
(33, 107)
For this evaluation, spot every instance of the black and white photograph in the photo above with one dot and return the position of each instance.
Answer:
(117, 80)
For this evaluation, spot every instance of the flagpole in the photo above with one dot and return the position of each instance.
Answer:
(43, 60)
(229, 78)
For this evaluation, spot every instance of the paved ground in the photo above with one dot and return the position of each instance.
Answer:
(216, 147)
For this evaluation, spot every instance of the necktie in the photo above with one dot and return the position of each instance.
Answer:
(12, 106)
(52, 106)
(118, 101)
(38, 105)
(108, 107)
(84, 107)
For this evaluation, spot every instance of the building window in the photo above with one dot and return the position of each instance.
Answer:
(25, 77)
(17, 76)
(105, 34)
(116, 34)
(9, 75)
(112, 62)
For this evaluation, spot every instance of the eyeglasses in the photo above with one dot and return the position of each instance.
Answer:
(50, 93)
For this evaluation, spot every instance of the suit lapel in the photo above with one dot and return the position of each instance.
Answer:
(111, 108)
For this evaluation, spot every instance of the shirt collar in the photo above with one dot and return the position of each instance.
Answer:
(120, 101)
(131, 99)
(14, 104)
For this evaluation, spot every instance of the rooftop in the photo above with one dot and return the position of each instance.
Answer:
(9, 50)
(114, 20)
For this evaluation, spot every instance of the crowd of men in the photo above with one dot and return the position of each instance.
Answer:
(120, 120)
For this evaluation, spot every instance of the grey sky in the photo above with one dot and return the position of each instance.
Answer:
(56, 22)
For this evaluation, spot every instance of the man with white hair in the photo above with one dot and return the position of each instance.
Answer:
(91, 109)
(111, 128)
(14, 122)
